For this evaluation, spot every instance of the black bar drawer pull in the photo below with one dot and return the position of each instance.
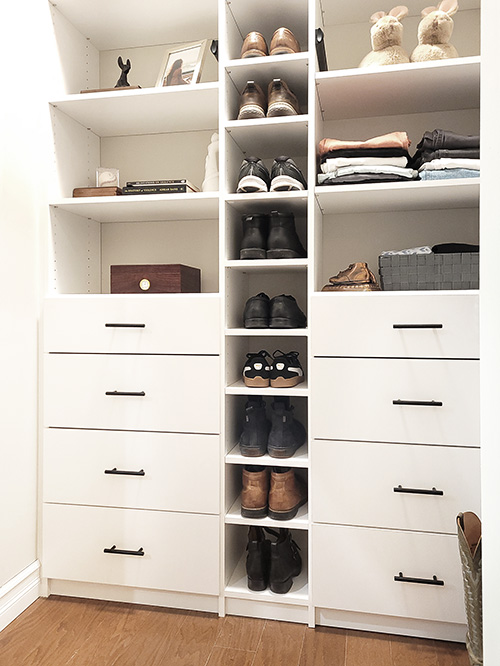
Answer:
(125, 325)
(418, 491)
(124, 472)
(417, 326)
(419, 403)
(423, 581)
(118, 551)
(139, 393)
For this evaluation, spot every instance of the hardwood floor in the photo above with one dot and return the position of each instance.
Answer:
(75, 632)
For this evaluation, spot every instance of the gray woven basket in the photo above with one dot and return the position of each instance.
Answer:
(459, 270)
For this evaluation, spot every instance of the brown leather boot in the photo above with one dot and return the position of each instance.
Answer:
(281, 100)
(288, 492)
(253, 102)
(283, 41)
(255, 491)
(254, 46)
(356, 277)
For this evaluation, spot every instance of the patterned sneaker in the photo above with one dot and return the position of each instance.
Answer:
(286, 175)
(256, 370)
(253, 176)
(286, 370)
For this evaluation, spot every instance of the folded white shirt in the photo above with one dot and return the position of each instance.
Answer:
(425, 249)
(333, 163)
(450, 163)
(350, 170)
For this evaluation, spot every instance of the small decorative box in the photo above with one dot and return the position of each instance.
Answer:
(155, 279)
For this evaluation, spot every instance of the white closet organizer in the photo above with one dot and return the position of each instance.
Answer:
(385, 480)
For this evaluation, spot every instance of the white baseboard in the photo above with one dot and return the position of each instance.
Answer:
(19, 593)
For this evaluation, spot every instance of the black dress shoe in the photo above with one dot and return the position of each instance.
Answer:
(255, 232)
(283, 242)
(285, 313)
(256, 312)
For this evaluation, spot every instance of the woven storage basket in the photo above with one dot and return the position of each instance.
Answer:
(459, 270)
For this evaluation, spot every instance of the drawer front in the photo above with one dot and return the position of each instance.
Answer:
(180, 392)
(368, 324)
(181, 551)
(354, 570)
(388, 489)
(146, 324)
(353, 399)
(161, 472)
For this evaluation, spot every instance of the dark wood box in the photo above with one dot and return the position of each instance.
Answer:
(155, 279)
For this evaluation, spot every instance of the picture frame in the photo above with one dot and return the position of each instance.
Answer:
(182, 64)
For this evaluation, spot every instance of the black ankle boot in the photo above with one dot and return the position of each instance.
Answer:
(283, 242)
(287, 434)
(258, 559)
(286, 562)
(254, 241)
(253, 439)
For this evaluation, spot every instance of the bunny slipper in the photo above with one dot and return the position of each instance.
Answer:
(386, 36)
(434, 32)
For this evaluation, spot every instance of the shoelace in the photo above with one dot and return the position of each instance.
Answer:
(265, 355)
(291, 355)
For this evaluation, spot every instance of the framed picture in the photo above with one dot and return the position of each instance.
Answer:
(182, 65)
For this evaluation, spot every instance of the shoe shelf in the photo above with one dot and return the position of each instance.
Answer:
(145, 208)
(271, 332)
(270, 137)
(234, 517)
(144, 111)
(239, 388)
(384, 197)
(237, 587)
(267, 265)
(440, 85)
(263, 202)
(299, 459)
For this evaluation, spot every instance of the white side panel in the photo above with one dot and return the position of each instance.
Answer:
(19, 593)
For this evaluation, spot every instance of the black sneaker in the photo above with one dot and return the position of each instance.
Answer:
(256, 370)
(286, 175)
(286, 370)
(253, 176)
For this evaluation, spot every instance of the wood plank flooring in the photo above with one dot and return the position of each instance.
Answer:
(76, 632)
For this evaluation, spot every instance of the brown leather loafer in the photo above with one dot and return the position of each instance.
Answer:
(253, 102)
(283, 42)
(254, 46)
(281, 100)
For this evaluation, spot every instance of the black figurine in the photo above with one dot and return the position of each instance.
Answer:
(122, 81)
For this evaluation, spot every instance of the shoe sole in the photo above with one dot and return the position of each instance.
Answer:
(283, 50)
(282, 254)
(281, 382)
(261, 512)
(281, 183)
(282, 322)
(256, 323)
(252, 452)
(253, 253)
(256, 585)
(254, 53)
(251, 112)
(281, 452)
(251, 184)
(351, 287)
(282, 587)
(281, 109)
(257, 382)
(285, 515)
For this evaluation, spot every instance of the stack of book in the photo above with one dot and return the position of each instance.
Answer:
(159, 187)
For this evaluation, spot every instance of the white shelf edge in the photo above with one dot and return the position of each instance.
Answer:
(271, 264)
(300, 459)
(272, 332)
(300, 522)
(260, 123)
(250, 197)
(267, 60)
(239, 388)
(387, 294)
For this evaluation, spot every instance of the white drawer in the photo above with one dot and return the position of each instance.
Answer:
(353, 399)
(149, 324)
(376, 324)
(181, 551)
(354, 484)
(172, 472)
(354, 570)
(181, 392)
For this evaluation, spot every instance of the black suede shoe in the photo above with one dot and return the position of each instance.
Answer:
(258, 559)
(286, 175)
(255, 435)
(256, 312)
(286, 562)
(286, 370)
(287, 434)
(255, 232)
(257, 369)
(283, 242)
(253, 176)
(285, 313)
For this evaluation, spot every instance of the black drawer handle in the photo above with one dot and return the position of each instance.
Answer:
(422, 581)
(418, 491)
(125, 325)
(419, 403)
(118, 551)
(124, 472)
(417, 326)
(139, 393)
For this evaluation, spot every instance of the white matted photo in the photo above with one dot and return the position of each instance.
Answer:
(182, 65)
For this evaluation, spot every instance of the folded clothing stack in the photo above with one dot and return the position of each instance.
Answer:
(442, 154)
(379, 159)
